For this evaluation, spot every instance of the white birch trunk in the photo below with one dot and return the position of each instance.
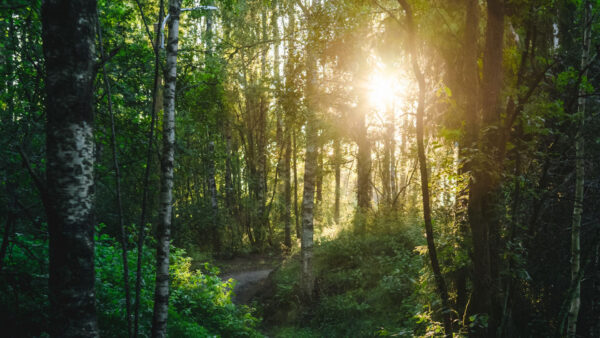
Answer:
(307, 281)
(161, 292)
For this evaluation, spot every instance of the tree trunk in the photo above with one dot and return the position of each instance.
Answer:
(320, 172)
(310, 167)
(469, 93)
(439, 278)
(161, 291)
(214, 202)
(211, 163)
(287, 189)
(68, 38)
(363, 166)
(388, 153)
(156, 106)
(575, 301)
(113, 141)
(295, 166)
(483, 188)
(337, 154)
(392, 138)
(10, 221)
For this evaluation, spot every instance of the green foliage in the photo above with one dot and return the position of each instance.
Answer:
(24, 287)
(201, 297)
(200, 303)
(362, 286)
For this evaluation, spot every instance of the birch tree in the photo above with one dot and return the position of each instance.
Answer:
(161, 292)
(68, 39)
(310, 167)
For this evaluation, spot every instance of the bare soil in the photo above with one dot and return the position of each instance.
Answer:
(250, 273)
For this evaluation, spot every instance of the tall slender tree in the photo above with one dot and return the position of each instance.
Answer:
(483, 187)
(141, 228)
(115, 155)
(575, 301)
(432, 251)
(310, 163)
(161, 292)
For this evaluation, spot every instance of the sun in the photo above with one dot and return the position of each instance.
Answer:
(385, 90)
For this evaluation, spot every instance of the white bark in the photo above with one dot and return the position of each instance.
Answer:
(161, 292)
(310, 167)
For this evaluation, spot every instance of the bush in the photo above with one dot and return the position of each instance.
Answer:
(200, 303)
(363, 286)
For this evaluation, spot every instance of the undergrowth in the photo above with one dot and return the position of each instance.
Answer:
(371, 284)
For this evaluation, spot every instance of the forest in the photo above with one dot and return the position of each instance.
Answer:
(299, 168)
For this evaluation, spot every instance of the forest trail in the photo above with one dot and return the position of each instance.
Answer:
(250, 273)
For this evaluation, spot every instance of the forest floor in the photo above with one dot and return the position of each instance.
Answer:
(250, 273)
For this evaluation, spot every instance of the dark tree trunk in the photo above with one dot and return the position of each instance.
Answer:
(156, 106)
(295, 167)
(483, 188)
(10, 221)
(363, 167)
(320, 172)
(113, 141)
(214, 202)
(435, 266)
(469, 94)
(337, 154)
(68, 37)
(287, 189)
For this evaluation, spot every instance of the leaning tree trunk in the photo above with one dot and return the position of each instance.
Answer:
(68, 38)
(575, 301)
(156, 106)
(161, 291)
(115, 154)
(435, 266)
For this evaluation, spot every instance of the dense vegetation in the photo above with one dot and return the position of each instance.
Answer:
(422, 167)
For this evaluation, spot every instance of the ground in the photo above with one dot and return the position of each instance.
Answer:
(250, 273)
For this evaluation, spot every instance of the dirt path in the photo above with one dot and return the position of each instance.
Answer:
(250, 273)
(248, 284)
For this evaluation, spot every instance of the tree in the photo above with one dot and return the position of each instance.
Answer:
(575, 301)
(432, 251)
(483, 187)
(69, 50)
(161, 293)
(310, 164)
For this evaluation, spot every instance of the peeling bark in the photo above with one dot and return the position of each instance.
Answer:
(68, 37)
